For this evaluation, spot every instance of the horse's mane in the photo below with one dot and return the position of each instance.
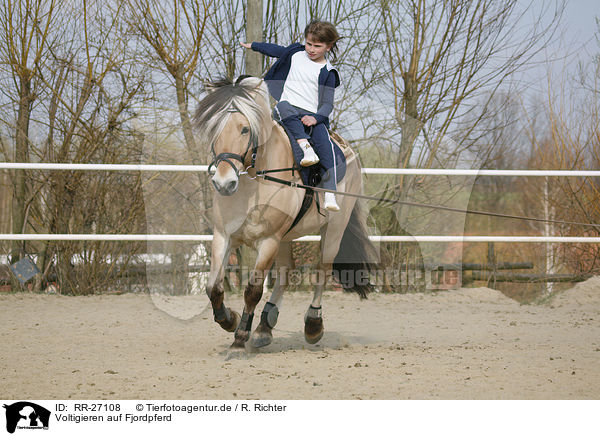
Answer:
(248, 95)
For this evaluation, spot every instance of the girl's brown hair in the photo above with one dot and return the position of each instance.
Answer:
(324, 32)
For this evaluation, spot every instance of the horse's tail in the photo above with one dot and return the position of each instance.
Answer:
(357, 256)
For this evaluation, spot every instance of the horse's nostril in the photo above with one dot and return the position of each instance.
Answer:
(232, 186)
(228, 188)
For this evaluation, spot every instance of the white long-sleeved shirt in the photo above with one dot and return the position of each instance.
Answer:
(301, 88)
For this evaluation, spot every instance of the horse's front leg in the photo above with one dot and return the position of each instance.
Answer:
(227, 319)
(267, 250)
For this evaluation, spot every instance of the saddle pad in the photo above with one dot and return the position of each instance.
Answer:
(342, 144)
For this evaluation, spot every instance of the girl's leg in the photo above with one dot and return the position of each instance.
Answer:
(290, 118)
(310, 157)
(325, 149)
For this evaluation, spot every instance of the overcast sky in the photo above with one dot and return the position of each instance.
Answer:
(580, 19)
(575, 41)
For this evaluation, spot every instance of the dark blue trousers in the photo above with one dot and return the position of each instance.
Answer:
(290, 116)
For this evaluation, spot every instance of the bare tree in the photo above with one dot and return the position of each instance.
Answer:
(571, 140)
(26, 36)
(254, 32)
(175, 35)
(442, 55)
(94, 84)
(83, 83)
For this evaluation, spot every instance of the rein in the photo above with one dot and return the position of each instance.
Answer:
(253, 145)
(290, 183)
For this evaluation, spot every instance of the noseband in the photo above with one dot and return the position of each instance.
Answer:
(227, 157)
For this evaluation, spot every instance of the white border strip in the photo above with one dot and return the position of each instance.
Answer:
(311, 238)
(389, 171)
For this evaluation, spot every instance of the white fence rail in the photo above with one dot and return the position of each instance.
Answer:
(382, 171)
(310, 238)
(377, 171)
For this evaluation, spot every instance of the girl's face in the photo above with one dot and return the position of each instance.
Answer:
(316, 50)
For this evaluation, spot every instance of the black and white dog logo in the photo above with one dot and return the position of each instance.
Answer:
(26, 415)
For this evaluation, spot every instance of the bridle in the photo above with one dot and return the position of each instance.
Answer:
(251, 147)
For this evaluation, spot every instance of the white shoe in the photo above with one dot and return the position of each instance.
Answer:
(310, 157)
(330, 203)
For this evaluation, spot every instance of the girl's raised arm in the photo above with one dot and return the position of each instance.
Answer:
(266, 48)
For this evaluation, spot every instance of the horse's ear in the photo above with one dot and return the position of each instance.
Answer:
(241, 78)
(248, 80)
(209, 87)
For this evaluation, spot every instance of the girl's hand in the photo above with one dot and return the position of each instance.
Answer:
(246, 45)
(308, 120)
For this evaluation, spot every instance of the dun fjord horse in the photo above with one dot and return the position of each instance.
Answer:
(234, 120)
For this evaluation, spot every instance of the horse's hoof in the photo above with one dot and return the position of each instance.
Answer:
(231, 324)
(261, 339)
(313, 330)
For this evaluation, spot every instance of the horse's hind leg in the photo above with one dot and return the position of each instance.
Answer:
(263, 335)
(331, 235)
(313, 319)
(227, 319)
(267, 251)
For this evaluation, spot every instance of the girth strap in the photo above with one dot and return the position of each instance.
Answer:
(309, 195)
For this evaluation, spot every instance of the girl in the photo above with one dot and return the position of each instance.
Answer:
(303, 82)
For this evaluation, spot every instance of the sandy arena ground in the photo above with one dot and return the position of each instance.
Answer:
(463, 344)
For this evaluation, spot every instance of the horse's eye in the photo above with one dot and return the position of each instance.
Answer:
(245, 130)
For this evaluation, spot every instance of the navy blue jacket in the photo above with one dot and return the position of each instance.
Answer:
(275, 78)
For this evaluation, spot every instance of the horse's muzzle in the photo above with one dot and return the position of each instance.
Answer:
(225, 187)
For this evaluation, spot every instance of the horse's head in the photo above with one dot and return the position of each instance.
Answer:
(233, 119)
